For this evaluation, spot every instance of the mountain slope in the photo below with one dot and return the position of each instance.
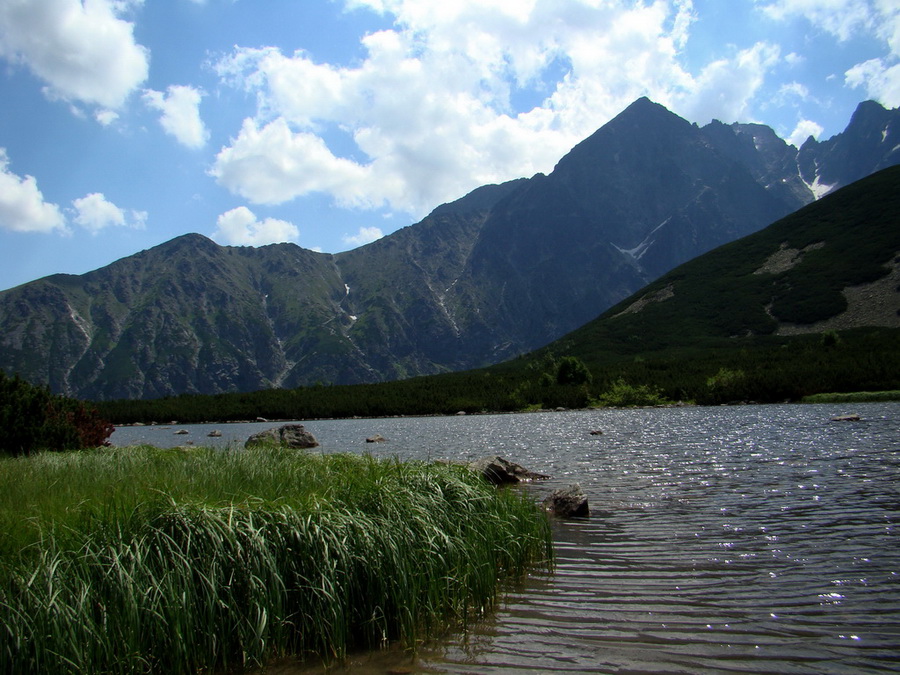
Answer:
(833, 265)
(497, 273)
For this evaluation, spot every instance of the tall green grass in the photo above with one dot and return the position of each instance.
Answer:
(854, 397)
(145, 560)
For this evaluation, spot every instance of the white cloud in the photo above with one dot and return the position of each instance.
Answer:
(94, 212)
(881, 82)
(841, 18)
(725, 88)
(22, 206)
(240, 227)
(180, 107)
(84, 51)
(803, 130)
(846, 19)
(272, 164)
(106, 117)
(365, 235)
(431, 109)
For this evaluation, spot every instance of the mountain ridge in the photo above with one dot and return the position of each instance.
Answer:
(496, 273)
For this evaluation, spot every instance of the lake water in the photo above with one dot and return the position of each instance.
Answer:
(752, 539)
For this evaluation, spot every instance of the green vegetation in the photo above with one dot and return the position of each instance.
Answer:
(624, 395)
(854, 397)
(706, 332)
(144, 560)
(32, 419)
(706, 371)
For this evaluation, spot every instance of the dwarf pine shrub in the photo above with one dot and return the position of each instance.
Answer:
(31, 419)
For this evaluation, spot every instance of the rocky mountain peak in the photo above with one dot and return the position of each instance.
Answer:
(499, 272)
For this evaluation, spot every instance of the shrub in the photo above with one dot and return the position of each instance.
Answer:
(727, 385)
(32, 419)
(571, 370)
(624, 395)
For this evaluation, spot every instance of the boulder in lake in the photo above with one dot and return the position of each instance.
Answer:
(287, 435)
(498, 471)
(846, 418)
(568, 502)
(377, 438)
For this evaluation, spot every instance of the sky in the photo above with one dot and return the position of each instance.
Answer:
(331, 123)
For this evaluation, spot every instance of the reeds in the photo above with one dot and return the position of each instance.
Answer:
(141, 560)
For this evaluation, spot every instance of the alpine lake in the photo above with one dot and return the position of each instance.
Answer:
(734, 539)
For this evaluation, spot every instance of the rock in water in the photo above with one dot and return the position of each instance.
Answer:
(498, 471)
(288, 435)
(568, 502)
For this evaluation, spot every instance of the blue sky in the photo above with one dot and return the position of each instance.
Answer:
(329, 123)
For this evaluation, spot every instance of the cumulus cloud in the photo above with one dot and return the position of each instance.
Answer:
(880, 81)
(365, 235)
(180, 108)
(94, 212)
(240, 227)
(22, 206)
(725, 88)
(84, 51)
(803, 130)
(273, 164)
(433, 109)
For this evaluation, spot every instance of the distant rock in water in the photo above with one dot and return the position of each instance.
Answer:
(377, 438)
(846, 418)
(568, 502)
(288, 435)
(498, 471)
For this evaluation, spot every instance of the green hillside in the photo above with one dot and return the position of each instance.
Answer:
(765, 318)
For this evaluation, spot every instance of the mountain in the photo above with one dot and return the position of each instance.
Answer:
(497, 273)
(808, 305)
(834, 265)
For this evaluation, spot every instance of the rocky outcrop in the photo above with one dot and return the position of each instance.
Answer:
(499, 471)
(568, 502)
(288, 435)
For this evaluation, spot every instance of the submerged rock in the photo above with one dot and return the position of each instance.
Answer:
(288, 435)
(498, 471)
(568, 502)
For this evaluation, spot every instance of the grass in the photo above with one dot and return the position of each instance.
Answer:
(854, 397)
(145, 560)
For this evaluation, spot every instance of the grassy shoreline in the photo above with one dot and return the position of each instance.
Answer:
(854, 397)
(147, 560)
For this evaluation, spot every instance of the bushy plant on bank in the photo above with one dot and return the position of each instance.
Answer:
(32, 419)
(624, 395)
(171, 561)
